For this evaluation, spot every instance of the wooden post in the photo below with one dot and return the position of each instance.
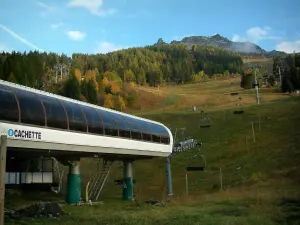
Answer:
(253, 132)
(3, 150)
(221, 179)
(186, 185)
(247, 144)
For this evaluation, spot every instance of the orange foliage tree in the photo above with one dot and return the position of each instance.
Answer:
(108, 101)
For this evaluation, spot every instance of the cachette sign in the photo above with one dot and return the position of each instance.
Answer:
(24, 134)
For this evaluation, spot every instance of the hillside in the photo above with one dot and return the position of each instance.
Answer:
(244, 48)
(260, 178)
(212, 95)
(109, 79)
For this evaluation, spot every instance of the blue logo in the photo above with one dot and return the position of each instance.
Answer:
(10, 132)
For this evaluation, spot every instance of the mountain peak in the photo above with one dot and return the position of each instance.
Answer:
(219, 41)
(216, 36)
(160, 41)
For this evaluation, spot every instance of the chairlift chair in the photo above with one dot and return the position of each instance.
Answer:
(205, 121)
(182, 132)
(234, 93)
(240, 109)
(185, 145)
(196, 165)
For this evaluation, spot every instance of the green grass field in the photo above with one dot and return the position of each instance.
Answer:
(261, 179)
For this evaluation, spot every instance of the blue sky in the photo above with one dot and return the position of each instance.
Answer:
(100, 26)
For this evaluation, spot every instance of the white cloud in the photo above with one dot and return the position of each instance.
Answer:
(256, 34)
(76, 35)
(289, 46)
(94, 6)
(4, 48)
(46, 9)
(238, 38)
(105, 47)
(54, 26)
(45, 6)
(16, 36)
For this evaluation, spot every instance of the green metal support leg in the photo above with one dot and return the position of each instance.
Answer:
(128, 182)
(74, 184)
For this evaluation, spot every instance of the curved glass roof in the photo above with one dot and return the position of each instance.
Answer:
(22, 106)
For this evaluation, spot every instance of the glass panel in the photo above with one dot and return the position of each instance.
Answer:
(146, 137)
(157, 129)
(47, 165)
(34, 165)
(76, 118)
(32, 111)
(135, 127)
(110, 126)
(165, 140)
(156, 138)
(136, 135)
(146, 134)
(122, 126)
(157, 132)
(55, 113)
(93, 119)
(8, 105)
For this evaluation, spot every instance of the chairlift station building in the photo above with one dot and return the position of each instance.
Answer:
(39, 124)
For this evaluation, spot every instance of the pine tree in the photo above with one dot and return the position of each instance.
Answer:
(91, 92)
(72, 88)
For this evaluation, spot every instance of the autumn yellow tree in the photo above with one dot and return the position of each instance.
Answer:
(78, 75)
(198, 77)
(113, 81)
(109, 101)
(90, 75)
(105, 82)
(119, 103)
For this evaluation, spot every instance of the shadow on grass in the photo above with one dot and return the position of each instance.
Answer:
(290, 209)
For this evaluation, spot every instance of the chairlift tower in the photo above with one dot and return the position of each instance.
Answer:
(205, 121)
(239, 109)
(279, 72)
(256, 86)
(256, 83)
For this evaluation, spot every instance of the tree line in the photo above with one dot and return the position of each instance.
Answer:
(289, 68)
(109, 79)
(286, 72)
